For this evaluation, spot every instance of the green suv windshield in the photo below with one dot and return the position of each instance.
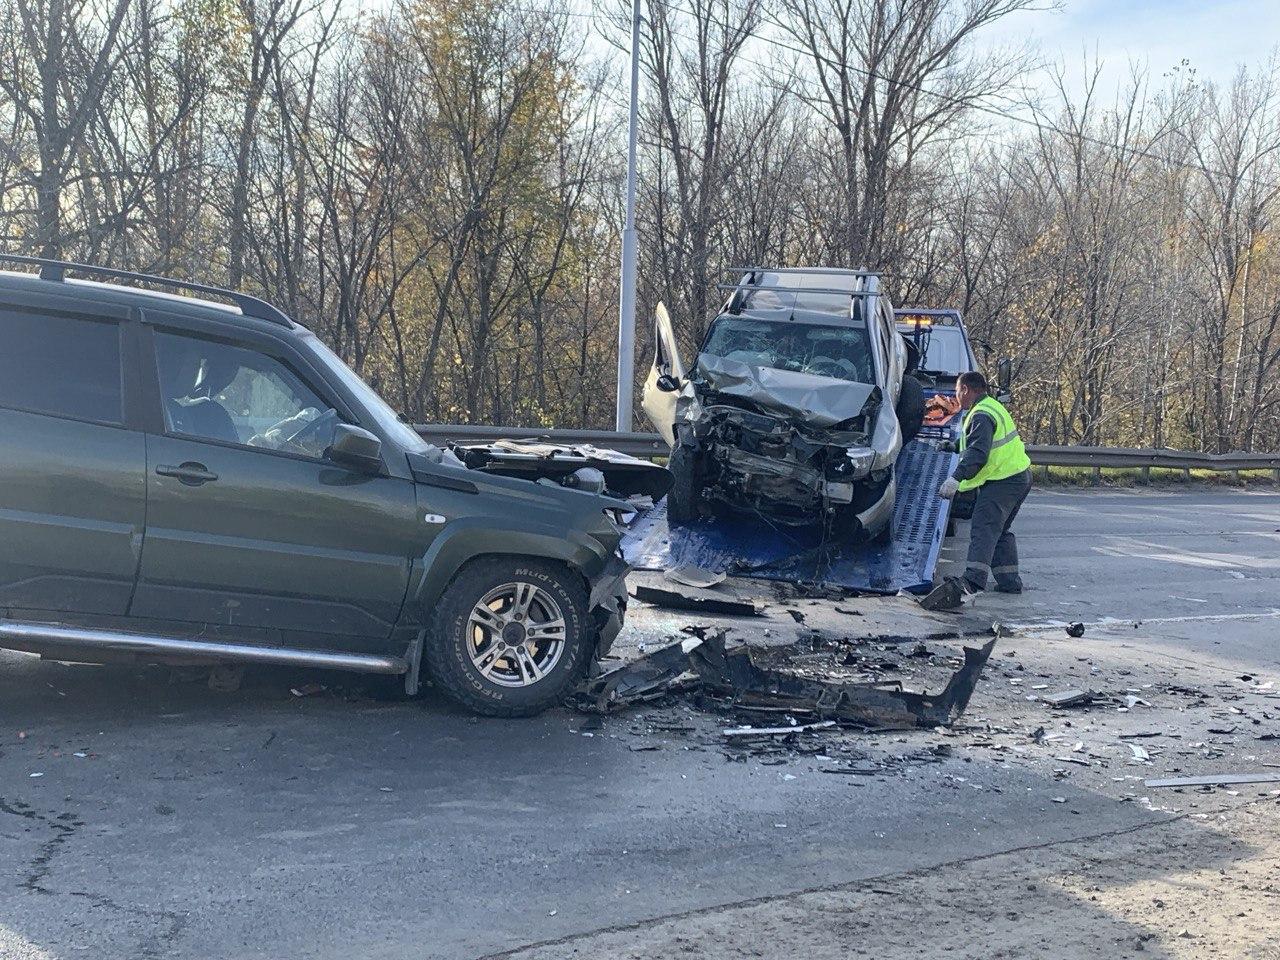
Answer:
(378, 408)
(843, 353)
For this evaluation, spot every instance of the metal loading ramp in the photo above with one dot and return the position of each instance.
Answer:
(750, 547)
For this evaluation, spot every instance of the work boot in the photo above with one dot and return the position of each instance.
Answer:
(1009, 586)
(950, 594)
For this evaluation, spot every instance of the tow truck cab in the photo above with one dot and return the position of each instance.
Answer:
(942, 350)
(941, 343)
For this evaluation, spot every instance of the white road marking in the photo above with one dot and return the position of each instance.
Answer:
(1132, 547)
(1029, 626)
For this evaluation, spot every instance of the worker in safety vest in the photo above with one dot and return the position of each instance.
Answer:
(994, 463)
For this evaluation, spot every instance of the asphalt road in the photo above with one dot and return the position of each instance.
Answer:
(260, 824)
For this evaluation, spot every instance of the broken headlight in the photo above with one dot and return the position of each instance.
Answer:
(860, 460)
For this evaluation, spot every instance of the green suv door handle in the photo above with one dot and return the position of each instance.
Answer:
(191, 473)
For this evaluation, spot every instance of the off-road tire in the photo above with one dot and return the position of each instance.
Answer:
(682, 499)
(448, 662)
(910, 408)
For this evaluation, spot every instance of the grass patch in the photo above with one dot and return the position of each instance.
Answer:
(1159, 477)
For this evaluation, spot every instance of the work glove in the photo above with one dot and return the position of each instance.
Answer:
(948, 446)
(948, 488)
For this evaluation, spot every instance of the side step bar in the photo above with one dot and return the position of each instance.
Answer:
(39, 637)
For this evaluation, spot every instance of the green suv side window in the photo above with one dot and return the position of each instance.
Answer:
(231, 394)
(61, 366)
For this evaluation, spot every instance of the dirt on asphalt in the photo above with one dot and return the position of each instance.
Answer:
(1195, 886)
(1202, 880)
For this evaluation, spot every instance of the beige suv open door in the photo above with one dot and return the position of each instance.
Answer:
(665, 380)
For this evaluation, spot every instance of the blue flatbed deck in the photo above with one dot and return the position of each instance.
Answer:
(753, 548)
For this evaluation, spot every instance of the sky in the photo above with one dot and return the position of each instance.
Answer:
(1214, 35)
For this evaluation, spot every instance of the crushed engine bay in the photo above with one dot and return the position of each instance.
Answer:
(780, 465)
(787, 445)
(791, 421)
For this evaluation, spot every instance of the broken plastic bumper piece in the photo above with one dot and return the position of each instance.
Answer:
(948, 595)
(872, 705)
(732, 673)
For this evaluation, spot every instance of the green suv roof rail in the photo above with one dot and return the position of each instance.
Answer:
(56, 271)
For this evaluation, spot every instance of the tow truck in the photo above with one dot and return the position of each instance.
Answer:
(752, 547)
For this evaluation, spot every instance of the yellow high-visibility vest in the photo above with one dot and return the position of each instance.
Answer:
(1008, 456)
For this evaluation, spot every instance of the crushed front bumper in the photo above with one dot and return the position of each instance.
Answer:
(608, 602)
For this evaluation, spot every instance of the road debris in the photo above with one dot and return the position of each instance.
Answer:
(735, 674)
(1075, 629)
(731, 678)
(1068, 698)
(1215, 780)
(692, 576)
(742, 732)
(672, 600)
(640, 680)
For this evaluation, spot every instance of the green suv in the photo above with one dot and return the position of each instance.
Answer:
(184, 480)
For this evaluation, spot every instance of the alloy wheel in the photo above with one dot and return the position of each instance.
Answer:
(516, 634)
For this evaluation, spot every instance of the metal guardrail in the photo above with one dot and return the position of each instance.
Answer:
(650, 444)
(1145, 459)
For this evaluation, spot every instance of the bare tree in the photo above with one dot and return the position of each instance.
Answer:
(57, 56)
(696, 130)
(1237, 154)
(268, 26)
(436, 189)
(892, 77)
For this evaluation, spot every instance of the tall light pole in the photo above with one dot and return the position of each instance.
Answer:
(627, 297)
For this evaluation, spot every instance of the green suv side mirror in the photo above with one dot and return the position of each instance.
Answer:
(355, 447)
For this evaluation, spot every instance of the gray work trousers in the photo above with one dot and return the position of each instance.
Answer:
(993, 549)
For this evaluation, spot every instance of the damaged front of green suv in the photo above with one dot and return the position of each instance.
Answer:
(490, 510)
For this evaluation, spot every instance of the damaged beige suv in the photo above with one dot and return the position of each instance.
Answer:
(797, 405)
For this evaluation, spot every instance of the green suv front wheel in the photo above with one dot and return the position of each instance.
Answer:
(511, 636)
